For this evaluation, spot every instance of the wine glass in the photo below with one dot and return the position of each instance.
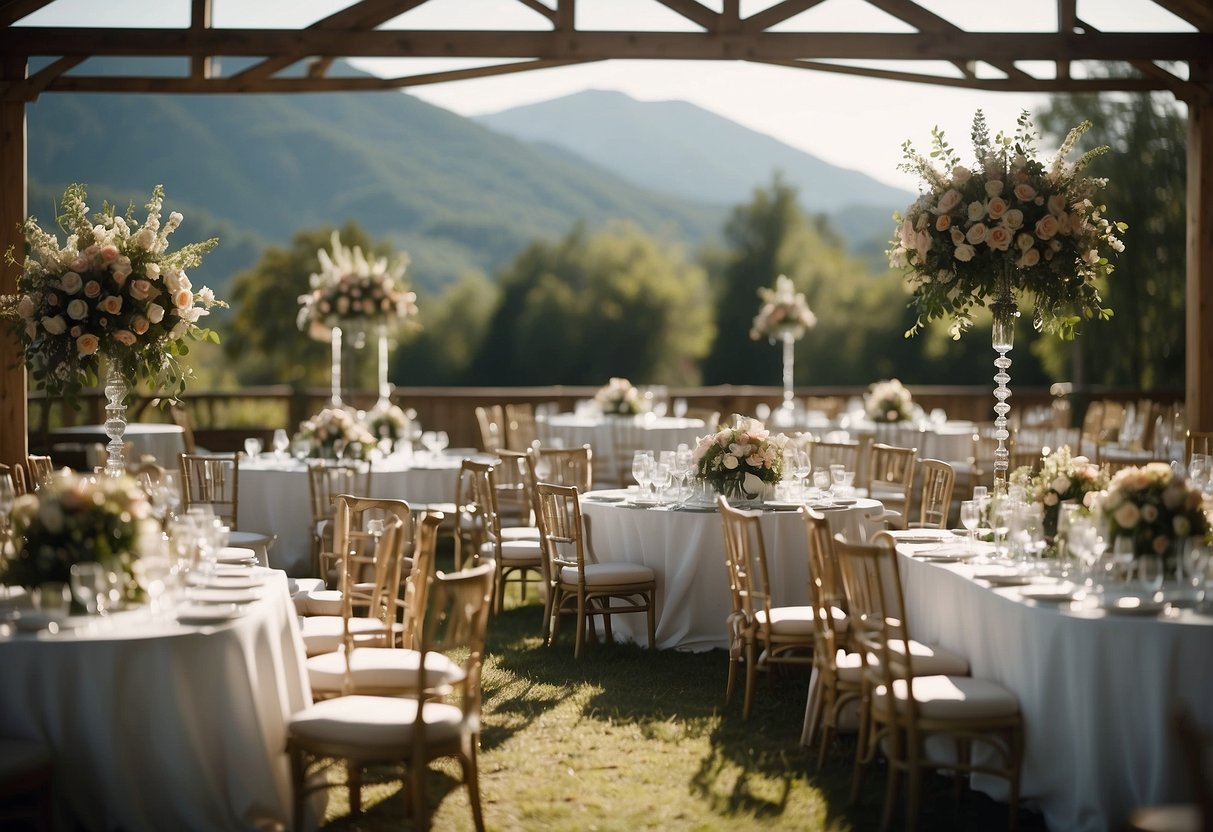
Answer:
(85, 578)
(429, 441)
(7, 498)
(252, 447)
(970, 517)
(661, 480)
(1196, 562)
(1121, 562)
(282, 442)
(152, 572)
(1000, 522)
(684, 459)
(441, 441)
(801, 468)
(642, 469)
(1149, 572)
(822, 482)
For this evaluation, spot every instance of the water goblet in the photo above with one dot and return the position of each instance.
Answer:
(441, 442)
(85, 578)
(642, 469)
(970, 517)
(822, 482)
(1000, 522)
(802, 467)
(252, 447)
(661, 480)
(1149, 572)
(1196, 562)
(282, 442)
(1121, 562)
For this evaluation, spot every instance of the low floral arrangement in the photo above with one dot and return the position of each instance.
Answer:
(888, 401)
(1154, 507)
(784, 310)
(1061, 477)
(1008, 217)
(75, 518)
(112, 289)
(387, 423)
(739, 461)
(336, 429)
(618, 397)
(353, 292)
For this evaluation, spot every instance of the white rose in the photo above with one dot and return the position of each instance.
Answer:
(977, 210)
(993, 187)
(77, 310)
(1061, 485)
(752, 484)
(70, 283)
(730, 462)
(206, 296)
(965, 252)
(152, 270)
(54, 325)
(145, 239)
(155, 313)
(25, 307)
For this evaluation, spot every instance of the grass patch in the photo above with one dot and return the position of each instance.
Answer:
(627, 739)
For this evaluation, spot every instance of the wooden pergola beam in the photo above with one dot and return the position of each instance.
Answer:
(1199, 260)
(14, 443)
(13, 10)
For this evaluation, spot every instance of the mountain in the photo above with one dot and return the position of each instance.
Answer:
(685, 151)
(254, 169)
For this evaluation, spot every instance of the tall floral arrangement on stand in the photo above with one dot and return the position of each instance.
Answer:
(888, 401)
(112, 289)
(1006, 227)
(784, 316)
(355, 293)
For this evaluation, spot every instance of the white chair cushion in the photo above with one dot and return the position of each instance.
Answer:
(324, 633)
(849, 666)
(520, 533)
(952, 697)
(608, 574)
(522, 551)
(929, 660)
(319, 602)
(380, 668)
(373, 723)
(788, 620)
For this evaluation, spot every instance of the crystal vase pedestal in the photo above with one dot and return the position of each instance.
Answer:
(115, 420)
(385, 389)
(1003, 339)
(335, 369)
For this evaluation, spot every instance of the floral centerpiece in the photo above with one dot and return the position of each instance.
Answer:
(783, 311)
(618, 397)
(1007, 223)
(76, 518)
(1156, 508)
(111, 289)
(1061, 478)
(740, 461)
(352, 291)
(888, 401)
(388, 423)
(334, 430)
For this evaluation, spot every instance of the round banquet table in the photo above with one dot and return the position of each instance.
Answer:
(275, 498)
(156, 725)
(610, 436)
(164, 442)
(1097, 690)
(685, 548)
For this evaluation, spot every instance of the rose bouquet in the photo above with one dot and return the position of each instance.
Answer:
(76, 518)
(388, 423)
(1061, 477)
(1154, 507)
(112, 289)
(618, 397)
(336, 432)
(353, 292)
(888, 401)
(1009, 217)
(739, 461)
(784, 310)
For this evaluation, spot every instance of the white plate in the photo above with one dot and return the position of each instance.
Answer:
(207, 613)
(1003, 578)
(240, 580)
(924, 537)
(1049, 592)
(946, 554)
(33, 621)
(1132, 605)
(781, 505)
(236, 554)
(221, 595)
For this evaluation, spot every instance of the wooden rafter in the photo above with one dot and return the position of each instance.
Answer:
(536, 5)
(13, 10)
(927, 21)
(695, 12)
(1067, 20)
(777, 14)
(1170, 81)
(200, 19)
(1197, 12)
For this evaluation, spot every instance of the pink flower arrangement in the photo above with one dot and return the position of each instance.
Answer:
(1155, 507)
(352, 291)
(783, 310)
(741, 458)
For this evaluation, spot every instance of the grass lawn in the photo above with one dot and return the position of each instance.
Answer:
(627, 739)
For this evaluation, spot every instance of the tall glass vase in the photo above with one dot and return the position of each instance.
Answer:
(385, 389)
(1003, 338)
(789, 359)
(115, 420)
(335, 369)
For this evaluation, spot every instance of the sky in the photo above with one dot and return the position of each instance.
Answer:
(855, 123)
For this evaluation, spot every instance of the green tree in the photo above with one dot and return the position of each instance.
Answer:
(452, 327)
(1143, 345)
(586, 308)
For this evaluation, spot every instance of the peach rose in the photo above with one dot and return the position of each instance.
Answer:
(950, 199)
(1024, 192)
(111, 304)
(958, 236)
(1046, 227)
(1013, 219)
(140, 324)
(998, 238)
(1057, 204)
(1028, 259)
(124, 336)
(87, 344)
(183, 298)
(109, 253)
(965, 252)
(976, 233)
(92, 289)
(141, 289)
(942, 223)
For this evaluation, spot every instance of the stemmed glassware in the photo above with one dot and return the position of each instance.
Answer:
(85, 582)
(1000, 523)
(661, 480)
(684, 467)
(642, 470)
(252, 447)
(282, 443)
(822, 482)
(1196, 562)
(7, 498)
(970, 517)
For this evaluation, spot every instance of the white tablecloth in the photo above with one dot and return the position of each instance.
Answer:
(275, 499)
(164, 442)
(1097, 691)
(602, 434)
(155, 725)
(685, 548)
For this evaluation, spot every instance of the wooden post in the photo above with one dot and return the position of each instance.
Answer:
(13, 414)
(1200, 251)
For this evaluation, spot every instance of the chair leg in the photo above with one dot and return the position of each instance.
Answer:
(728, 691)
(298, 784)
(580, 627)
(353, 779)
(471, 777)
(421, 817)
(913, 786)
(652, 616)
(751, 676)
(557, 607)
(605, 603)
(861, 749)
(890, 796)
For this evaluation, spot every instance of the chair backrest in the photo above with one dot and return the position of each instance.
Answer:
(514, 499)
(521, 430)
(212, 480)
(746, 561)
(825, 584)
(561, 529)
(20, 483)
(327, 479)
(417, 583)
(1197, 442)
(476, 520)
(627, 437)
(891, 476)
(938, 479)
(825, 454)
(40, 470)
(564, 466)
(362, 548)
(492, 427)
(11, 473)
(181, 418)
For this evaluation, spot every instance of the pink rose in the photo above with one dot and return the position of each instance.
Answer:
(976, 233)
(942, 223)
(140, 324)
(111, 304)
(109, 253)
(92, 289)
(124, 336)
(950, 199)
(87, 344)
(1024, 192)
(998, 238)
(996, 208)
(140, 289)
(1028, 259)
(120, 278)
(1046, 227)
(958, 236)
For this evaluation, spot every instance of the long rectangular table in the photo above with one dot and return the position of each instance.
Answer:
(156, 725)
(1097, 690)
